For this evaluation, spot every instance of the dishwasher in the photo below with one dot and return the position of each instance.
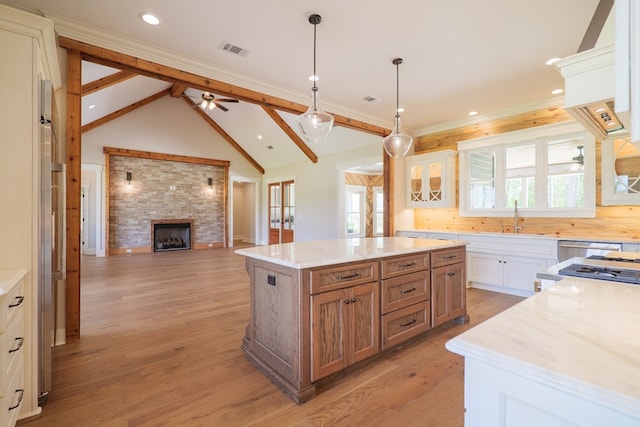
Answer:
(570, 248)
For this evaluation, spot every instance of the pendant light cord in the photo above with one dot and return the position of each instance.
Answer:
(315, 76)
(397, 62)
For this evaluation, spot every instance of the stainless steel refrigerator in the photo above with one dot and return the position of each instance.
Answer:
(51, 264)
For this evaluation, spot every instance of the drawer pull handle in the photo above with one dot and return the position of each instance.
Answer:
(449, 257)
(408, 323)
(407, 265)
(349, 277)
(21, 391)
(20, 299)
(408, 291)
(20, 342)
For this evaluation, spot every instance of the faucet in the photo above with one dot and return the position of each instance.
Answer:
(516, 228)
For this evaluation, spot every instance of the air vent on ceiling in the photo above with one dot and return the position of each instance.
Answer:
(370, 99)
(231, 48)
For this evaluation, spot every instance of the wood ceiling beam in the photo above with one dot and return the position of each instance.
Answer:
(107, 81)
(222, 133)
(121, 112)
(123, 61)
(291, 133)
(177, 90)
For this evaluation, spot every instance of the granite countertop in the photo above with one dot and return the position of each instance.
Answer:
(327, 252)
(579, 335)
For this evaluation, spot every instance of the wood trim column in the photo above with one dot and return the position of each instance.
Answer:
(73, 202)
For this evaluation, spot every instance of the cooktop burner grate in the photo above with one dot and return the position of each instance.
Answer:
(617, 259)
(602, 273)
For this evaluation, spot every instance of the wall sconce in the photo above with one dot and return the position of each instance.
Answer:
(129, 178)
(210, 182)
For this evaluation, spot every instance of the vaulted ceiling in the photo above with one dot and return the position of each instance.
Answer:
(458, 56)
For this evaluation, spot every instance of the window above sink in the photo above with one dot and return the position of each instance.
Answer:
(549, 171)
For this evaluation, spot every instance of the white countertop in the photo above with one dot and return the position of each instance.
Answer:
(327, 252)
(580, 335)
(9, 278)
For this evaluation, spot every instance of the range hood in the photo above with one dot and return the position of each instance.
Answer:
(590, 91)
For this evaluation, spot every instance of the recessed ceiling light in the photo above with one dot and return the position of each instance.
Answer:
(600, 110)
(150, 19)
(552, 60)
(259, 136)
(92, 106)
(557, 91)
(473, 113)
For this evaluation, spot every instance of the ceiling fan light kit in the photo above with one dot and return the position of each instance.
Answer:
(397, 144)
(315, 124)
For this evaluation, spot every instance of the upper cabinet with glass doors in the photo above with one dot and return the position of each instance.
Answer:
(431, 180)
(548, 171)
(620, 172)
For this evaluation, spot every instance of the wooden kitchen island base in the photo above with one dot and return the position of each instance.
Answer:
(318, 307)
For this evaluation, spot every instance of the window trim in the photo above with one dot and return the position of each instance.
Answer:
(377, 190)
(363, 209)
(535, 135)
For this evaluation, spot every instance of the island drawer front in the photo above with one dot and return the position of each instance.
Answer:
(405, 323)
(402, 291)
(447, 257)
(400, 265)
(342, 276)
(10, 304)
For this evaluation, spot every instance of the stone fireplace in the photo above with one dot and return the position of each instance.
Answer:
(171, 234)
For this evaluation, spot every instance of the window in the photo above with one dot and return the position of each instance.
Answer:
(378, 211)
(355, 210)
(547, 171)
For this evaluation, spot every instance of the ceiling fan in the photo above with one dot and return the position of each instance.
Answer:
(208, 101)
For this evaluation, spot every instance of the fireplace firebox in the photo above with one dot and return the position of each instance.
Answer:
(171, 235)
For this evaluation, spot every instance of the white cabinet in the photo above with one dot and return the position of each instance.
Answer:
(431, 180)
(508, 273)
(507, 263)
(12, 339)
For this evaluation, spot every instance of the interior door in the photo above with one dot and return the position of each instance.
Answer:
(275, 213)
(281, 212)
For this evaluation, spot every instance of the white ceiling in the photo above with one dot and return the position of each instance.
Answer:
(459, 56)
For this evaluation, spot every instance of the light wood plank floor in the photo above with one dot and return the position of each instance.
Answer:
(160, 346)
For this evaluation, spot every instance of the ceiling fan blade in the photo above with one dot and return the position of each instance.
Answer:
(222, 107)
(226, 100)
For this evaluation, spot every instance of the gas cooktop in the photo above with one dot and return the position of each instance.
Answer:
(603, 273)
(616, 259)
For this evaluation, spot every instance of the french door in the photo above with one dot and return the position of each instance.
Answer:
(281, 212)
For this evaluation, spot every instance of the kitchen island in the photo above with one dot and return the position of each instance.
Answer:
(318, 307)
(568, 356)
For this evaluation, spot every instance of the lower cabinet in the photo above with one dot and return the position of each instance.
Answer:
(505, 273)
(447, 293)
(345, 328)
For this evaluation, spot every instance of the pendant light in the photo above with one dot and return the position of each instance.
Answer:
(397, 144)
(315, 124)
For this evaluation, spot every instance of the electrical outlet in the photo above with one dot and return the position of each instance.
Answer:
(210, 245)
(128, 251)
(271, 279)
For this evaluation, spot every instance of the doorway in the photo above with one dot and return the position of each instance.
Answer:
(281, 212)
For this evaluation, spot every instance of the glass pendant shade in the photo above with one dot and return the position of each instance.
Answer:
(315, 124)
(397, 144)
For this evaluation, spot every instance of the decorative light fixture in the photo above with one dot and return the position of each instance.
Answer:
(397, 144)
(129, 178)
(315, 124)
(207, 101)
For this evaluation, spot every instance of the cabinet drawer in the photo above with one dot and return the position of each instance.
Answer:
(405, 323)
(11, 401)
(11, 302)
(402, 291)
(447, 256)
(398, 266)
(337, 277)
(11, 350)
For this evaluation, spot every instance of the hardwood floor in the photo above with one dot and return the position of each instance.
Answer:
(160, 346)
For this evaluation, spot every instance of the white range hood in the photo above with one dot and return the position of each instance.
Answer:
(590, 89)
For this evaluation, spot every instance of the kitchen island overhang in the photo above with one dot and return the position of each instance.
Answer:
(318, 307)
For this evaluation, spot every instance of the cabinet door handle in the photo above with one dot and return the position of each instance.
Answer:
(21, 391)
(408, 291)
(407, 265)
(20, 299)
(353, 300)
(451, 274)
(408, 323)
(349, 276)
(347, 301)
(20, 342)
